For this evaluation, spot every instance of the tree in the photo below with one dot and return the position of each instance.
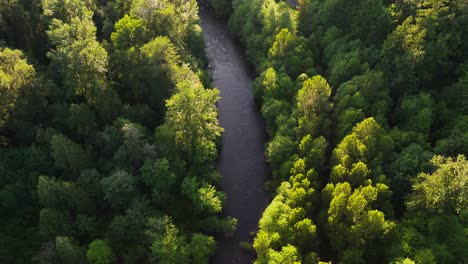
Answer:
(417, 113)
(168, 245)
(99, 252)
(53, 223)
(62, 195)
(82, 120)
(129, 227)
(78, 58)
(445, 190)
(367, 143)
(192, 118)
(353, 224)
(290, 53)
(68, 155)
(201, 248)
(287, 255)
(129, 32)
(221, 7)
(313, 103)
(67, 251)
(158, 176)
(15, 75)
(279, 152)
(410, 161)
(134, 148)
(66, 10)
(119, 189)
(204, 196)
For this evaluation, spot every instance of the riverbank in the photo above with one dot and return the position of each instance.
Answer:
(241, 159)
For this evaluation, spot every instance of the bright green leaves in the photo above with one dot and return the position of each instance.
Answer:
(433, 229)
(129, 32)
(15, 75)
(65, 10)
(290, 53)
(284, 223)
(445, 190)
(368, 143)
(204, 196)
(357, 199)
(352, 223)
(313, 101)
(192, 119)
(168, 245)
(78, 58)
(258, 21)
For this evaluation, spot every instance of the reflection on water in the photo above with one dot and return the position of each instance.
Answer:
(242, 161)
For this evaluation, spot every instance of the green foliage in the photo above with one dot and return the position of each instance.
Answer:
(83, 84)
(119, 188)
(359, 156)
(221, 7)
(192, 119)
(158, 176)
(129, 32)
(279, 152)
(67, 251)
(78, 58)
(53, 223)
(204, 196)
(104, 72)
(353, 224)
(15, 75)
(313, 101)
(69, 155)
(445, 190)
(287, 52)
(201, 248)
(364, 95)
(168, 245)
(99, 252)
(57, 194)
(416, 112)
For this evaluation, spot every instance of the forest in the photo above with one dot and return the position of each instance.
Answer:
(109, 131)
(366, 107)
(108, 134)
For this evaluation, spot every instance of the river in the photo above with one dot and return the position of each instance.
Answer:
(242, 161)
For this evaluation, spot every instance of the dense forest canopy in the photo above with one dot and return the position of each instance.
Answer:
(365, 103)
(109, 131)
(108, 134)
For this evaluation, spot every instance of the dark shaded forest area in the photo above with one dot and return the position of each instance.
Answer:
(96, 166)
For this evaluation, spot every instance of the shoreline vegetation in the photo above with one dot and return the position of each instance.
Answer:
(365, 110)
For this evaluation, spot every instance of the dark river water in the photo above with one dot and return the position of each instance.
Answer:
(242, 160)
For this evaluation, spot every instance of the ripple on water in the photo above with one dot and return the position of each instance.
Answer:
(241, 159)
